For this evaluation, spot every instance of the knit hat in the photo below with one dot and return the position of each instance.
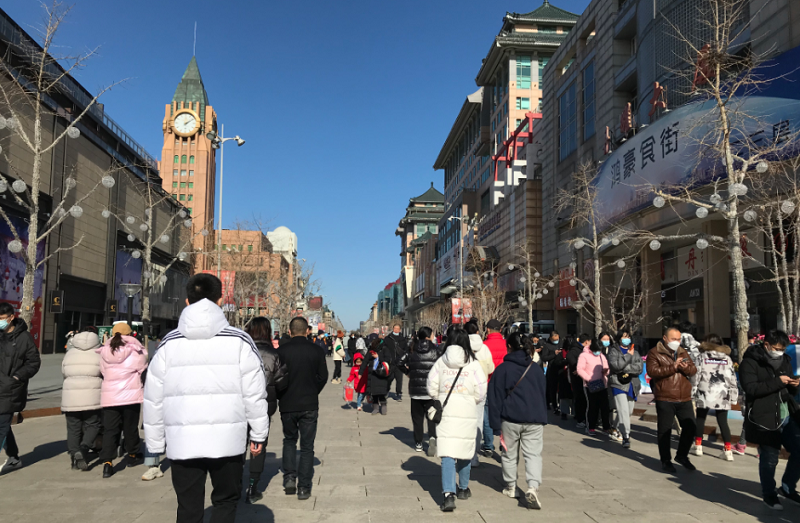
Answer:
(121, 328)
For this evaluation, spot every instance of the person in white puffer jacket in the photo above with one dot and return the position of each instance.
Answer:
(456, 432)
(204, 387)
(484, 357)
(80, 396)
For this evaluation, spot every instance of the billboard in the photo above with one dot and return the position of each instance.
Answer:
(462, 310)
(315, 303)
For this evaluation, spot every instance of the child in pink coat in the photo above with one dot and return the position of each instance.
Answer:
(593, 369)
(122, 361)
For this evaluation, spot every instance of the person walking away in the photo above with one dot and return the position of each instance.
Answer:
(771, 416)
(715, 387)
(19, 362)
(80, 397)
(377, 372)
(260, 330)
(670, 369)
(458, 383)
(593, 370)
(484, 357)
(359, 381)
(573, 355)
(205, 387)
(560, 368)
(338, 356)
(519, 412)
(396, 347)
(351, 347)
(417, 364)
(550, 348)
(497, 346)
(361, 345)
(299, 406)
(122, 361)
(625, 367)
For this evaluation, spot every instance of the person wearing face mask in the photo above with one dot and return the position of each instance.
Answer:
(573, 356)
(626, 366)
(771, 415)
(551, 347)
(593, 370)
(395, 346)
(19, 362)
(670, 369)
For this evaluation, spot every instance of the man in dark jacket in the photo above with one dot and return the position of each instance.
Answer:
(518, 410)
(395, 347)
(579, 397)
(771, 416)
(351, 347)
(549, 349)
(19, 362)
(299, 406)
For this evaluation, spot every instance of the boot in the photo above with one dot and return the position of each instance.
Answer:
(79, 461)
(253, 495)
(384, 410)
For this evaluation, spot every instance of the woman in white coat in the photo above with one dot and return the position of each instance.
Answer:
(80, 396)
(459, 371)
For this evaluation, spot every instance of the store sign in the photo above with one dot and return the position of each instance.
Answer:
(566, 292)
(691, 290)
(56, 302)
(448, 266)
(489, 226)
(691, 262)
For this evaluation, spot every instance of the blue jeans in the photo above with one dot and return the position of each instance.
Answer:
(449, 468)
(768, 461)
(360, 398)
(150, 459)
(488, 433)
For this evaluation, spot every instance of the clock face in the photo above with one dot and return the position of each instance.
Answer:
(185, 124)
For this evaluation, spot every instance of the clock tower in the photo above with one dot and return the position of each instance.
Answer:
(188, 162)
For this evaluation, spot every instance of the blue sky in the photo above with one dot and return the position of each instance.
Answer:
(344, 106)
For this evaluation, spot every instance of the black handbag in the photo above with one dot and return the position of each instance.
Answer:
(438, 407)
(623, 380)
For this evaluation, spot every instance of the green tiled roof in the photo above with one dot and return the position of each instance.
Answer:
(429, 196)
(191, 88)
(545, 13)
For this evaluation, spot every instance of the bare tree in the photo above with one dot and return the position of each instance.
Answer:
(434, 316)
(31, 77)
(534, 285)
(487, 300)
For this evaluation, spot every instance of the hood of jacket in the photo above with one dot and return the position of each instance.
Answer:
(759, 354)
(424, 347)
(454, 357)
(85, 341)
(475, 342)
(202, 320)
(19, 327)
(118, 356)
(518, 357)
(707, 346)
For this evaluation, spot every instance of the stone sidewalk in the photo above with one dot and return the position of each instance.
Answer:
(367, 471)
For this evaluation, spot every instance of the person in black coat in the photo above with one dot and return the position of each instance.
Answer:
(559, 369)
(351, 347)
(550, 347)
(772, 418)
(375, 365)
(19, 362)
(518, 410)
(417, 364)
(574, 352)
(395, 346)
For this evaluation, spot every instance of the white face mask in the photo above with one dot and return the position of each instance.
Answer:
(673, 345)
(776, 354)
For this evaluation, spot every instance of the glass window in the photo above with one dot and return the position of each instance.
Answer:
(191, 185)
(190, 210)
(191, 172)
(523, 103)
(174, 185)
(546, 28)
(176, 158)
(183, 197)
(183, 185)
(175, 172)
(523, 72)
(191, 159)
(567, 124)
(224, 247)
(183, 159)
(191, 197)
(542, 63)
(174, 196)
(588, 101)
(249, 248)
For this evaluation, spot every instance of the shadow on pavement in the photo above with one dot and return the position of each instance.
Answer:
(401, 434)
(44, 452)
(427, 473)
(245, 512)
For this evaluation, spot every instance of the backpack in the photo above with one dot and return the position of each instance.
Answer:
(380, 368)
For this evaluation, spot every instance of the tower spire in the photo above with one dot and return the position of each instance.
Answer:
(194, 46)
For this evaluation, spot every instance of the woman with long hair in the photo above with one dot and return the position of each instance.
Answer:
(122, 361)
(338, 356)
(458, 382)
(260, 330)
(417, 364)
(593, 370)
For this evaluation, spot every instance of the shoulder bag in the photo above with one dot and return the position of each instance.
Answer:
(435, 412)
(508, 394)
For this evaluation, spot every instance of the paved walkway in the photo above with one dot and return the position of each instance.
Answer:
(367, 471)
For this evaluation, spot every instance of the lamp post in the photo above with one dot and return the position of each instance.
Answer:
(130, 290)
(217, 141)
(470, 222)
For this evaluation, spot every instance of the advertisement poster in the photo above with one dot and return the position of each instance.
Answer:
(12, 272)
(462, 307)
(128, 270)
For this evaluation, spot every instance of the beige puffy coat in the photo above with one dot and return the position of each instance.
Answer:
(81, 371)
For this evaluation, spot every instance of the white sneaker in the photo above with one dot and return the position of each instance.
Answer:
(532, 497)
(432, 447)
(152, 473)
(727, 455)
(615, 435)
(697, 450)
(510, 491)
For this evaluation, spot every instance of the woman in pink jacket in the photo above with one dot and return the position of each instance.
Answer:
(593, 369)
(122, 361)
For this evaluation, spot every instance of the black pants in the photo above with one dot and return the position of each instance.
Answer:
(257, 463)
(580, 398)
(82, 430)
(189, 482)
(419, 413)
(397, 376)
(337, 369)
(304, 426)
(598, 404)
(722, 421)
(551, 379)
(7, 439)
(666, 412)
(125, 419)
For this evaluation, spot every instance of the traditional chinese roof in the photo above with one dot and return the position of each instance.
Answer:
(191, 88)
(421, 240)
(545, 13)
(430, 196)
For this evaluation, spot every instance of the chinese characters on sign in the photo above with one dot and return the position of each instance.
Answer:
(691, 263)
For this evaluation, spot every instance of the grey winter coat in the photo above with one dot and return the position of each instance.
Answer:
(628, 363)
(714, 385)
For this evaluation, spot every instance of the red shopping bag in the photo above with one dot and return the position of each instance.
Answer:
(348, 391)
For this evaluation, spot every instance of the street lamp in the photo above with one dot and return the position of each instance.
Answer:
(130, 290)
(217, 141)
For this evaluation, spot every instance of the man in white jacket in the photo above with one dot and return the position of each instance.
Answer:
(204, 387)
